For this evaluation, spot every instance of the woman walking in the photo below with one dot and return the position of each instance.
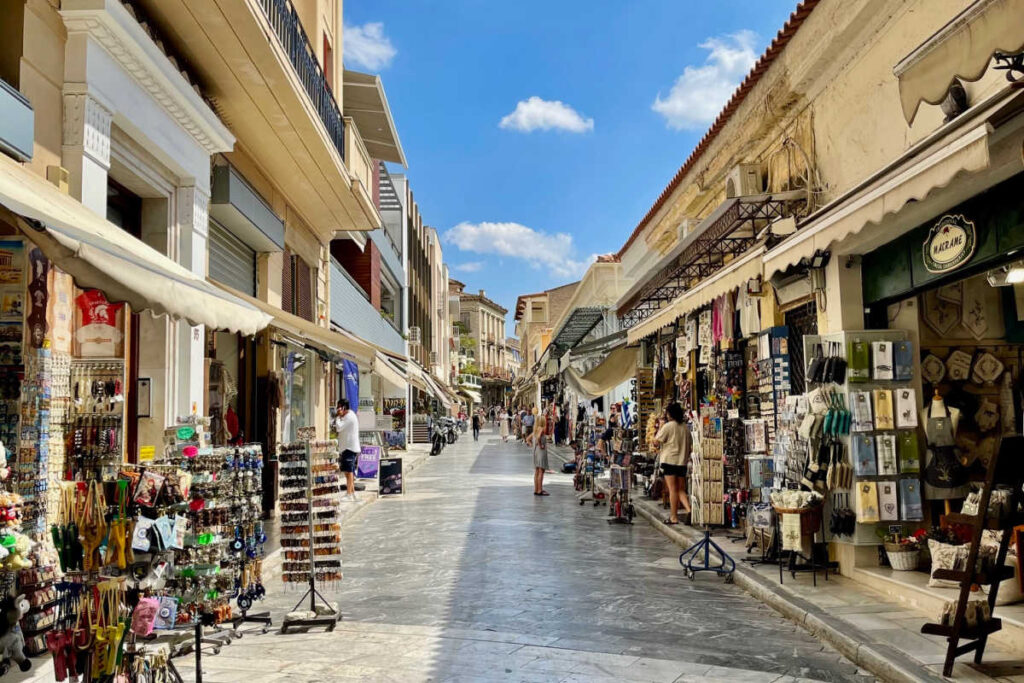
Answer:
(504, 425)
(676, 443)
(540, 456)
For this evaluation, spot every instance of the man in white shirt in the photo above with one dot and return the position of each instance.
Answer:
(346, 425)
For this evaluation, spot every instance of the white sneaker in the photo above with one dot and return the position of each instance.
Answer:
(349, 498)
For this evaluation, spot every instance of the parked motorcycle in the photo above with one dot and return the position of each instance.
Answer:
(437, 438)
(451, 432)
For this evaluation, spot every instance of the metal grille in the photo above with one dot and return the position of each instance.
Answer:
(303, 290)
(232, 262)
(287, 290)
(801, 320)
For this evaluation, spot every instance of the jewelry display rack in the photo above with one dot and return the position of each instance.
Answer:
(324, 490)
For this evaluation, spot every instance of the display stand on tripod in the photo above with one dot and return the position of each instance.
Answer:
(324, 614)
(706, 484)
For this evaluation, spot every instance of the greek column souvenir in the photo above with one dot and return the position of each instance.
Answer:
(909, 454)
(882, 360)
(987, 369)
(883, 409)
(958, 366)
(867, 502)
(933, 369)
(859, 366)
(864, 456)
(887, 501)
(860, 407)
(906, 408)
(885, 447)
(903, 360)
(911, 509)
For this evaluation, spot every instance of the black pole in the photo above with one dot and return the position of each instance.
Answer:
(199, 652)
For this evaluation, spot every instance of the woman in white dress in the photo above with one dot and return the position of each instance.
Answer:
(504, 425)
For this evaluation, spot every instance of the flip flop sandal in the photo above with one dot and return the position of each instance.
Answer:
(669, 522)
(543, 493)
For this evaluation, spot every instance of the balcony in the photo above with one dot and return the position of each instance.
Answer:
(470, 381)
(351, 311)
(260, 71)
(362, 168)
(17, 124)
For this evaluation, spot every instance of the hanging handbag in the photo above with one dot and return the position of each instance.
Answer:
(859, 366)
(814, 370)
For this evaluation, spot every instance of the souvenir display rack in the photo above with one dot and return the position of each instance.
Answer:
(310, 527)
(773, 376)
(1005, 467)
(898, 467)
(97, 417)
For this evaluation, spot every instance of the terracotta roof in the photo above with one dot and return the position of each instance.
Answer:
(792, 25)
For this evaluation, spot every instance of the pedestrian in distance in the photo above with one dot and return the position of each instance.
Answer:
(476, 426)
(346, 426)
(676, 444)
(504, 425)
(540, 456)
(528, 424)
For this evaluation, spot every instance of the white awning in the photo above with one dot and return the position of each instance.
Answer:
(961, 49)
(388, 372)
(618, 367)
(99, 255)
(436, 390)
(735, 274)
(910, 179)
(308, 332)
(473, 396)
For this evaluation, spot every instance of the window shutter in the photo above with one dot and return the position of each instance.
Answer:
(303, 290)
(287, 291)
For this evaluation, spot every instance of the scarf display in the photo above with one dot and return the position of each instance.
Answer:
(911, 509)
(864, 463)
(859, 365)
(888, 510)
(881, 366)
(885, 449)
(907, 450)
(867, 502)
(906, 408)
(903, 361)
(860, 409)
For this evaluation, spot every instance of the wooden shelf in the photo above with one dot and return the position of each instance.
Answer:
(983, 629)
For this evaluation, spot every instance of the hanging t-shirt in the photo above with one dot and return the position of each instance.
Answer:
(750, 313)
(98, 334)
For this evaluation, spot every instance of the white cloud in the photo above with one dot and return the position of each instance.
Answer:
(699, 94)
(535, 113)
(366, 46)
(469, 267)
(541, 250)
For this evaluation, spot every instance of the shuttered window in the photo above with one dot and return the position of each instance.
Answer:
(287, 289)
(303, 290)
(232, 262)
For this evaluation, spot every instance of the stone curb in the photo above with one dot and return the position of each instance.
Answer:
(880, 660)
(414, 458)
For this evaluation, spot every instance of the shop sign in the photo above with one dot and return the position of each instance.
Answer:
(950, 244)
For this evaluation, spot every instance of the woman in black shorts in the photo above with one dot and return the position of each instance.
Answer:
(676, 443)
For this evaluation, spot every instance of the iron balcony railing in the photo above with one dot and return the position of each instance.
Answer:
(285, 22)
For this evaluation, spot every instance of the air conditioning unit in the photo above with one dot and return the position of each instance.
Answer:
(744, 180)
(433, 358)
(415, 337)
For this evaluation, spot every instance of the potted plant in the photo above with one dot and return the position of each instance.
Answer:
(902, 551)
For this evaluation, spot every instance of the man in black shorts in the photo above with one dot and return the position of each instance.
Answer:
(346, 424)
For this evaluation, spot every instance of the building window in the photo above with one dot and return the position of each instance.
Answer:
(537, 313)
(124, 208)
(297, 279)
(328, 62)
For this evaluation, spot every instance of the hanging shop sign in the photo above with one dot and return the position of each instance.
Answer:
(949, 244)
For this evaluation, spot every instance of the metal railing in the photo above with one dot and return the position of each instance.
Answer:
(284, 20)
(469, 380)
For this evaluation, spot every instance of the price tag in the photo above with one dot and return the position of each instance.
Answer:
(896, 529)
(733, 413)
(793, 485)
(147, 453)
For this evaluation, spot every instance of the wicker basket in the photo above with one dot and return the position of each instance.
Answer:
(901, 558)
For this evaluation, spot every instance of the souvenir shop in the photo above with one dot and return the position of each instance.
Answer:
(113, 529)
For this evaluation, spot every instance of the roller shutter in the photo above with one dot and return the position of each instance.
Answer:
(232, 262)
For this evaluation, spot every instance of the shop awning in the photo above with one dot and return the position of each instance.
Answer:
(99, 255)
(732, 276)
(473, 396)
(436, 390)
(930, 165)
(388, 371)
(308, 332)
(618, 367)
(577, 326)
(961, 49)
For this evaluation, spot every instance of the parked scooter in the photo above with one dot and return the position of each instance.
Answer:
(437, 438)
(451, 433)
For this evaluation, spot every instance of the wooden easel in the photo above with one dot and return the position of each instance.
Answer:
(1006, 469)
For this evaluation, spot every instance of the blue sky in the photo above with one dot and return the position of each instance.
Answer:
(539, 133)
